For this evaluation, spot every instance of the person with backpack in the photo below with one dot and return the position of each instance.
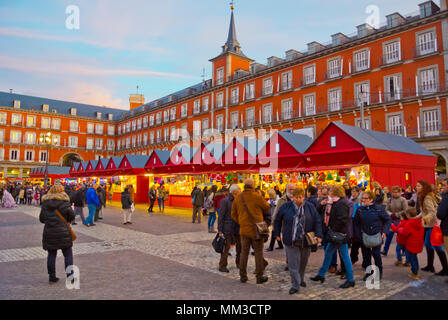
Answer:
(427, 208)
(152, 196)
(371, 223)
(211, 209)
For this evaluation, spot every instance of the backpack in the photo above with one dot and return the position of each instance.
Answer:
(208, 204)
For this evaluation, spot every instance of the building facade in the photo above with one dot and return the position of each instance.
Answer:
(396, 74)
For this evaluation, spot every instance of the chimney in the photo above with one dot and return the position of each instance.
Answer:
(136, 100)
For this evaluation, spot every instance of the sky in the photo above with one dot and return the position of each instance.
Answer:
(160, 46)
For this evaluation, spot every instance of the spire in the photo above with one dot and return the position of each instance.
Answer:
(232, 44)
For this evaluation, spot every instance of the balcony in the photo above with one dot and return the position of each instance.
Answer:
(303, 83)
(267, 91)
(426, 49)
(390, 60)
(332, 75)
(286, 86)
(219, 105)
(361, 66)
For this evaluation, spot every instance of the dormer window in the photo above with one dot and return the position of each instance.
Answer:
(17, 104)
(45, 108)
(110, 116)
(73, 111)
(220, 76)
(98, 115)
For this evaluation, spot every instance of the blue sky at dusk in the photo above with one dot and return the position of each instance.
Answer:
(162, 46)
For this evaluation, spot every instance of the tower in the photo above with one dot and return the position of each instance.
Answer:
(136, 100)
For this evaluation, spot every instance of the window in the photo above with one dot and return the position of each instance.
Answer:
(362, 93)
(158, 118)
(73, 111)
(56, 124)
(184, 129)
(205, 104)
(29, 155)
(16, 136)
(173, 134)
(128, 142)
(159, 135)
(267, 86)
(334, 68)
(30, 138)
(197, 106)
(392, 88)
(287, 109)
(250, 91)
(2, 154)
(395, 124)
(267, 113)
(428, 80)
(90, 128)
(110, 116)
(45, 123)
(145, 122)
(430, 120)
(250, 117)
(173, 113)
(145, 138)
(89, 143)
(366, 123)
(3, 117)
(335, 99)
(2, 135)
(74, 126)
(220, 76)
(134, 141)
(43, 156)
(99, 127)
(220, 100)
(426, 43)
(196, 128)
(151, 137)
(234, 120)
(310, 104)
(134, 125)
(111, 130)
(139, 140)
(362, 60)
(287, 80)
(166, 115)
(56, 140)
(151, 120)
(333, 141)
(184, 110)
(16, 119)
(392, 52)
(17, 104)
(99, 143)
(234, 95)
(139, 123)
(14, 155)
(309, 75)
(119, 129)
(73, 142)
(220, 123)
(98, 115)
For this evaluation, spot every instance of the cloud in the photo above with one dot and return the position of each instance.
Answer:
(36, 66)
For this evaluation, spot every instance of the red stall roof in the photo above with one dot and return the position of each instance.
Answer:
(133, 164)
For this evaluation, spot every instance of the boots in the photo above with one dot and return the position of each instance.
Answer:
(430, 266)
(444, 262)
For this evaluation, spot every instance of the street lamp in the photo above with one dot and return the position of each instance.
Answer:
(48, 141)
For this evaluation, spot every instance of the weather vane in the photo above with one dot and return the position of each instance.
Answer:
(231, 5)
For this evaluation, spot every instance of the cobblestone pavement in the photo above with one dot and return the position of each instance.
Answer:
(168, 257)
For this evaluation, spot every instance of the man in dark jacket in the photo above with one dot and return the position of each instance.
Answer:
(56, 233)
(295, 219)
(126, 203)
(198, 202)
(101, 193)
(312, 195)
(442, 213)
(152, 196)
(77, 198)
(229, 228)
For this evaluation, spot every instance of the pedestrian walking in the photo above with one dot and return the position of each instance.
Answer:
(152, 196)
(198, 202)
(126, 203)
(247, 210)
(101, 193)
(161, 198)
(92, 203)
(56, 213)
(78, 201)
(273, 199)
(442, 214)
(298, 220)
(211, 209)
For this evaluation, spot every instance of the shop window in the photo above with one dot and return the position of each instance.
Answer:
(333, 141)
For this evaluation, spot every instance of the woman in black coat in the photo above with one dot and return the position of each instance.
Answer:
(56, 233)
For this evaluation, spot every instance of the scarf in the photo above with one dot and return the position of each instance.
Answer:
(328, 209)
(299, 223)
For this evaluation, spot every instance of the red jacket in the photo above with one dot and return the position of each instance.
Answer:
(414, 233)
(217, 200)
(398, 230)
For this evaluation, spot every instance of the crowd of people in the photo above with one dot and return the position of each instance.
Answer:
(342, 220)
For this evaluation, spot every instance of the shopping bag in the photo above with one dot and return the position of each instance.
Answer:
(436, 236)
(219, 243)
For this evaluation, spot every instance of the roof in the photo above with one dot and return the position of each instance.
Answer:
(188, 152)
(116, 160)
(253, 146)
(84, 164)
(76, 165)
(58, 170)
(217, 148)
(62, 107)
(298, 141)
(137, 161)
(383, 141)
(94, 163)
(163, 155)
(104, 162)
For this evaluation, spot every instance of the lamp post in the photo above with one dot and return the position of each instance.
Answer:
(47, 139)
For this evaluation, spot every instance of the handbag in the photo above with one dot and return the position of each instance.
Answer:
(68, 224)
(372, 241)
(311, 241)
(261, 228)
(219, 243)
(336, 238)
(436, 236)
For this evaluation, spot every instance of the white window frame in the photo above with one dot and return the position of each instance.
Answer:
(220, 99)
(250, 91)
(220, 122)
(27, 141)
(205, 104)
(431, 120)
(361, 60)
(394, 123)
(184, 110)
(287, 109)
(267, 113)
(428, 84)
(426, 41)
(392, 51)
(334, 69)
(309, 104)
(393, 89)
(309, 74)
(99, 128)
(19, 135)
(197, 106)
(72, 139)
(43, 120)
(17, 154)
(268, 89)
(220, 76)
(234, 124)
(26, 155)
(18, 119)
(74, 128)
(335, 99)
(173, 114)
(250, 121)
(286, 80)
(3, 118)
(234, 95)
(365, 95)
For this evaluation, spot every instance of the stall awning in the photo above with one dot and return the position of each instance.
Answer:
(133, 164)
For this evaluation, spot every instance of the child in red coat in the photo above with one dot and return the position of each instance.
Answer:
(414, 233)
(401, 241)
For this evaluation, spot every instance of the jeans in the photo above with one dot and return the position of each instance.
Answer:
(389, 238)
(161, 202)
(367, 254)
(330, 250)
(211, 219)
(401, 248)
(80, 211)
(413, 260)
(51, 261)
(92, 209)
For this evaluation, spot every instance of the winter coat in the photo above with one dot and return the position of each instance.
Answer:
(126, 200)
(56, 234)
(396, 207)
(92, 198)
(340, 216)
(101, 193)
(78, 197)
(312, 200)
(226, 224)
(379, 198)
(414, 233)
(259, 211)
(280, 203)
(217, 200)
(442, 214)
(284, 221)
(371, 220)
(198, 196)
(428, 212)
(132, 193)
(398, 229)
(22, 194)
(152, 194)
